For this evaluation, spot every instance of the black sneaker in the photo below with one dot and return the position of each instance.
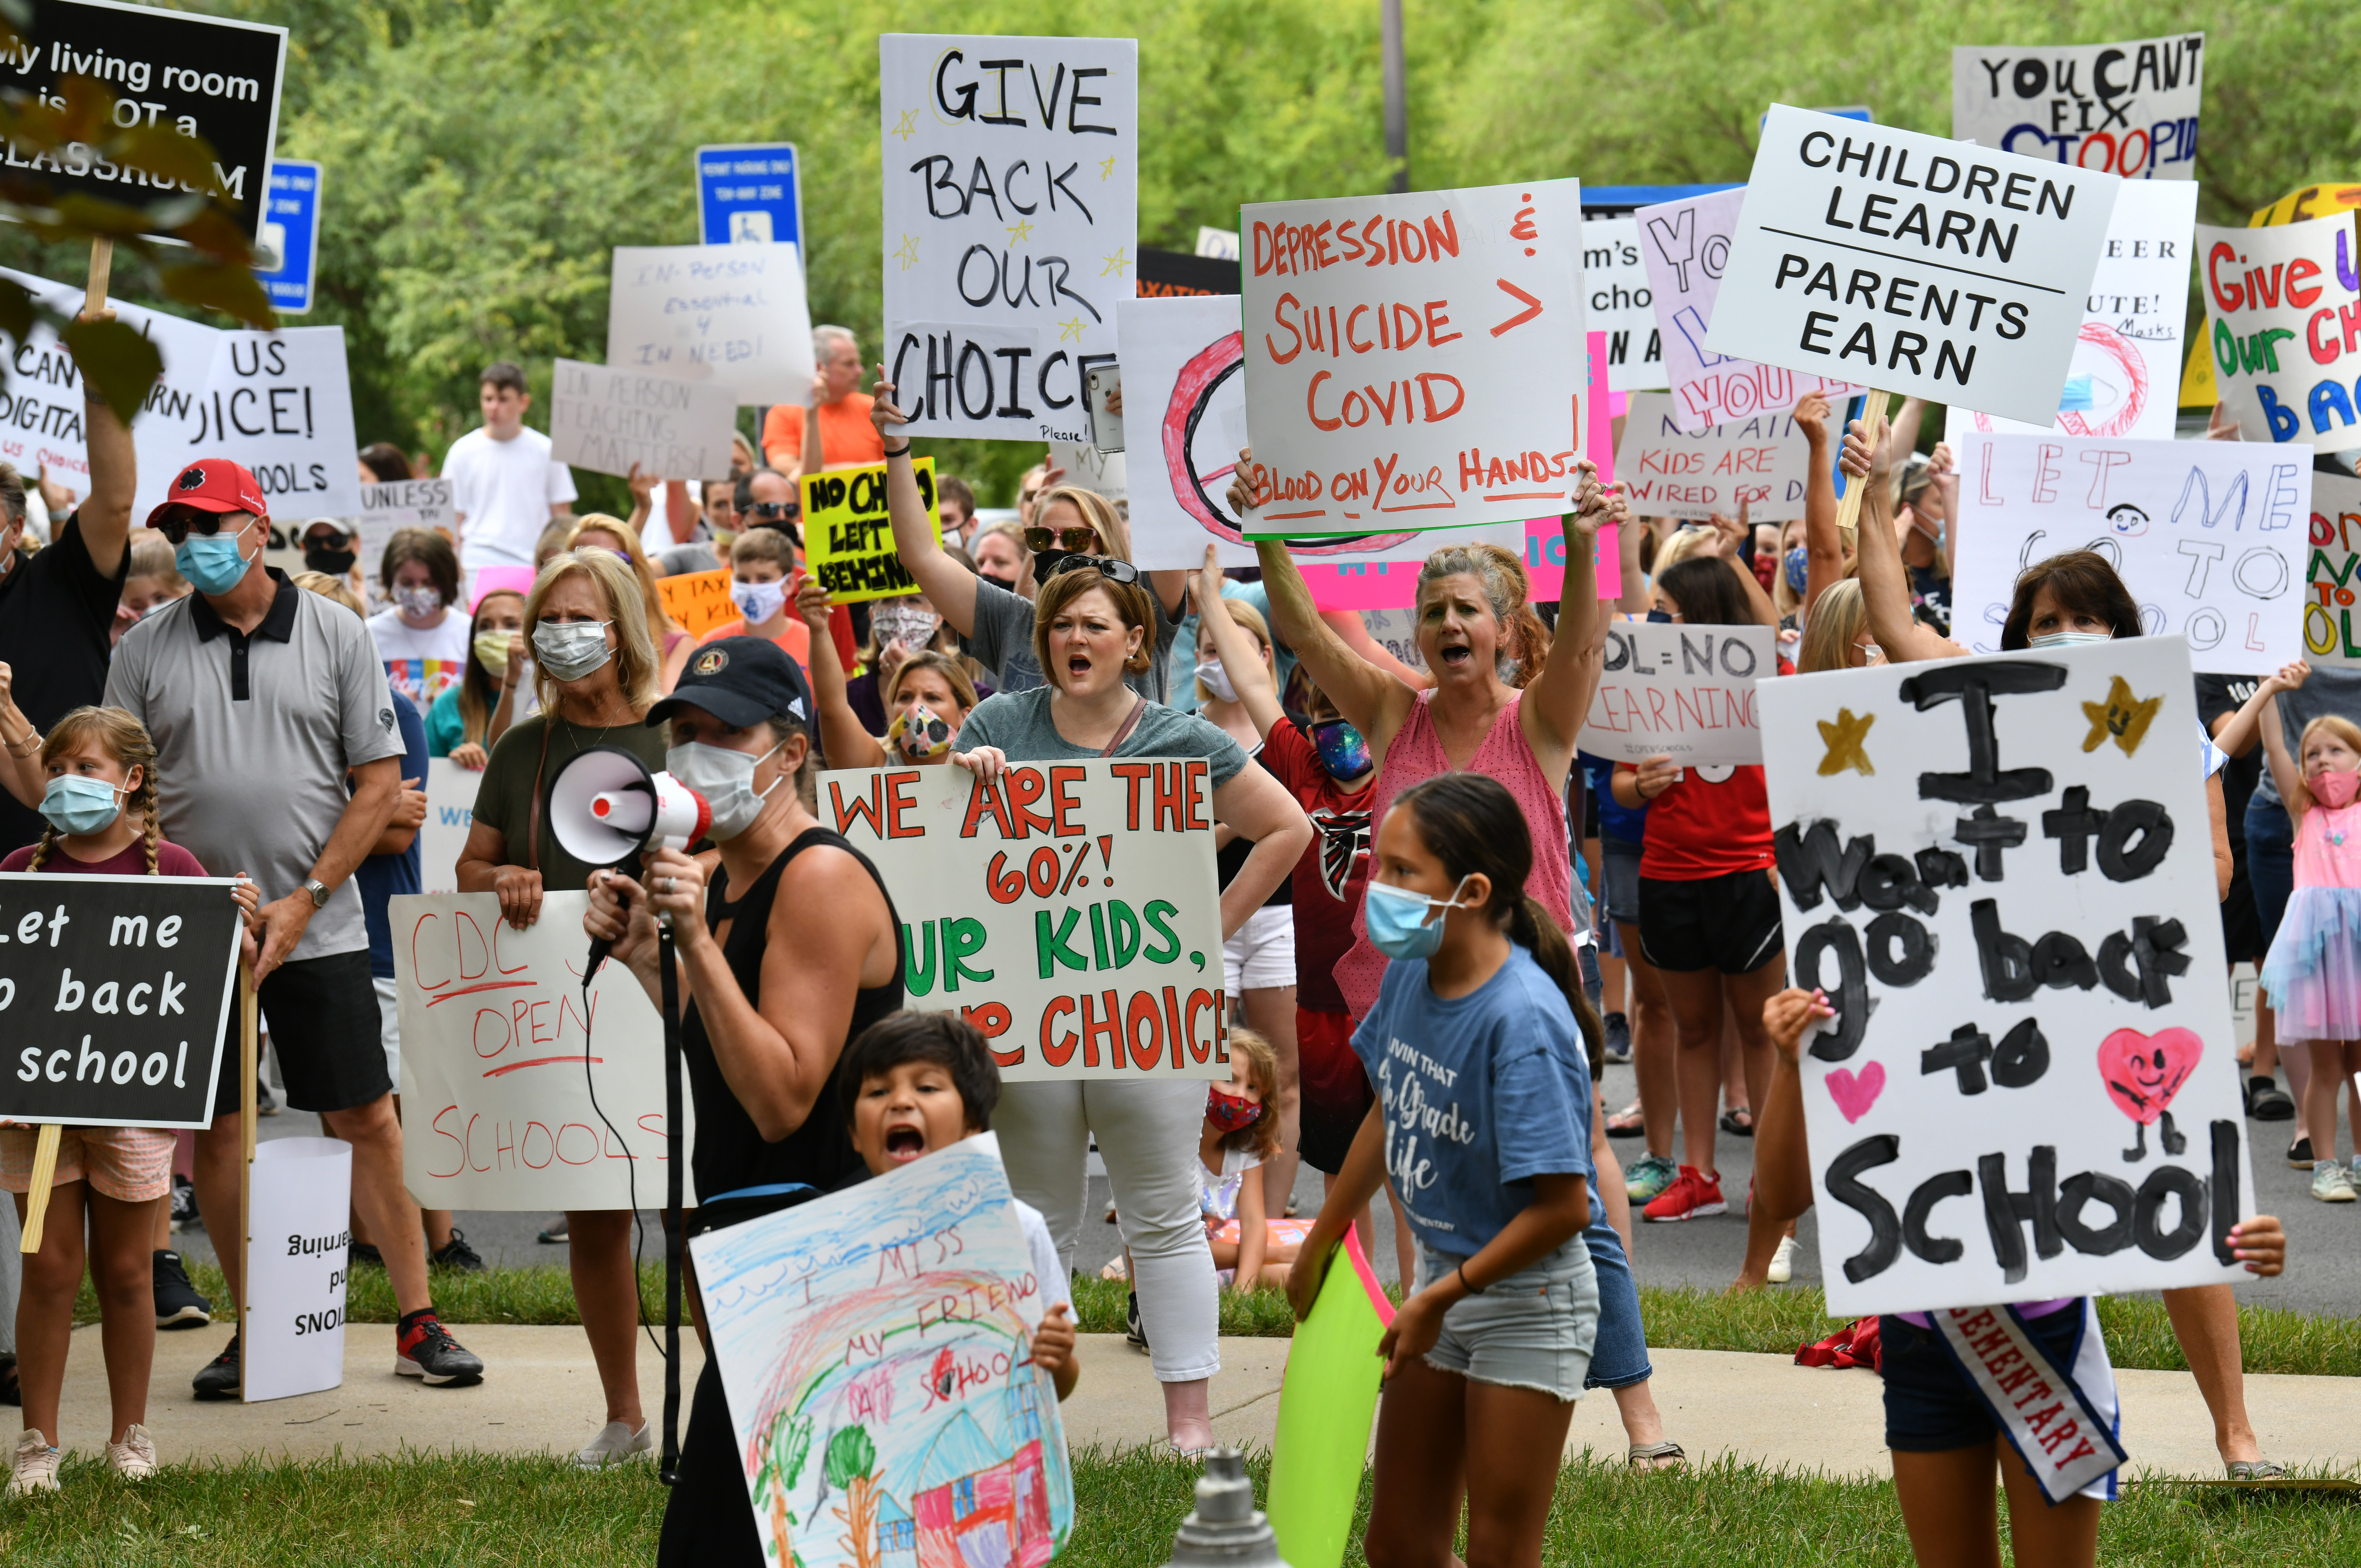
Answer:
(184, 1205)
(364, 1253)
(2265, 1101)
(1619, 1037)
(425, 1349)
(457, 1254)
(1134, 1334)
(2300, 1154)
(555, 1234)
(219, 1378)
(178, 1305)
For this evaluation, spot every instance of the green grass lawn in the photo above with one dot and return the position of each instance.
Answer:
(487, 1509)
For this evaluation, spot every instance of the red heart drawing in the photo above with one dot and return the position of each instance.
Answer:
(1854, 1095)
(2143, 1073)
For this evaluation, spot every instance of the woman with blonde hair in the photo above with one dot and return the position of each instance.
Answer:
(928, 693)
(673, 641)
(1001, 557)
(468, 720)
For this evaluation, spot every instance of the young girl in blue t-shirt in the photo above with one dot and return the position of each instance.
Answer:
(1477, 1045)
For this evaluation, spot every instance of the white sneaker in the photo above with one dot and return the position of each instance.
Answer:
(2330, 1183)
(615, 1444)
(34, 1468)
(1783, 1262)
(134, 1458)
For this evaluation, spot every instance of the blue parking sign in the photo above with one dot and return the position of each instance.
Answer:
(289, 233)
(749, 191)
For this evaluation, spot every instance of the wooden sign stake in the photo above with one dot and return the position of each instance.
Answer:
(102, 265)
(36, 1192)
(248, 1065)
(1873, 425)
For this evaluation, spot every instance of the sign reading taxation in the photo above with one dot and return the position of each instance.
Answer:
(1683, 692)
(1764, 462)
(2332, 586)
(1010, 171)
(1912, 264)
(2283, 319)
(1074, 918)
(2127, 108)
(1999, 871)
(1414, 361)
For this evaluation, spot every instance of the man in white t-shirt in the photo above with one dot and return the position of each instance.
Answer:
(505, 486)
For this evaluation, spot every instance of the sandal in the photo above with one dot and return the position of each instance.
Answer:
(1627, 1122)
(1658, 1457)
(1732, 1125)
(2267, 1102)
(2254, 1470)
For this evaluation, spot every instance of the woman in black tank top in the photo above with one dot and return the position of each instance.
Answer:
(792, 949)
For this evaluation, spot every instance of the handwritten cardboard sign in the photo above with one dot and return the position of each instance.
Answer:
(1069, 911)
(498, 1109)
(1686, 691)
(732, 314)
(281, 403)
(876, 1349)
(2331, 586)
(699, 600)
(1619, 301)
(2283, 321)
(1011, 169)
(2208, 535)
(1998, 870)
(2123, 108)
(608, 420)
(1413, 361)
(848, 537)
(450, 813)
(1671, 472)
(1912, 263)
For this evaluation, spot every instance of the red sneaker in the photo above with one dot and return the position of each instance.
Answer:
(1691, 1196)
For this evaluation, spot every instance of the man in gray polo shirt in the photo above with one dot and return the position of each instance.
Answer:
(261, 700)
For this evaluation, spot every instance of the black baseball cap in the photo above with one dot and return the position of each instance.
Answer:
(741, 681)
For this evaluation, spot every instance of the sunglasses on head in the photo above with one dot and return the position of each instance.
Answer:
(1107, 566)
(177, 526)
(1041, 539)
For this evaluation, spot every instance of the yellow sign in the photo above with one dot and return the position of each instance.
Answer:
(2197, 386)
(848, 539)
(699, 601)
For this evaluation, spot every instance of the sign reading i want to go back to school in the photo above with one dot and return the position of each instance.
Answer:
(849, 534)
(1069, 908)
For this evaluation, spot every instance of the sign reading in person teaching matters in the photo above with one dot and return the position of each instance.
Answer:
(1683, 692)
(1999, 871)
(610, 421)
(2123, 108)
(1070, 911)
(849, 534)
(1414, 361)
(2283, 321)
(1011, 170)
(1912, 264)
(1763, 463)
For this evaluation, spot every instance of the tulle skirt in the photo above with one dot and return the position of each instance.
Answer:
(2312, 973)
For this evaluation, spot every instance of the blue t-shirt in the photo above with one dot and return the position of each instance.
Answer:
(379, 877)
(1480, 1095)
(1616, 820)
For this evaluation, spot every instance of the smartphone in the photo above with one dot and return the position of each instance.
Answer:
(1107, 426)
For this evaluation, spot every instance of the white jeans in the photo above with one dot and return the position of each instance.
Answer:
(1147, 1134)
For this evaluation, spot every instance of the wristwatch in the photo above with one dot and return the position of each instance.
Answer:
(318, 890)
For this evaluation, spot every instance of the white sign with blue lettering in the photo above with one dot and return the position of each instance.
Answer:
(2127, 108)
(290, 241)
(749, 192)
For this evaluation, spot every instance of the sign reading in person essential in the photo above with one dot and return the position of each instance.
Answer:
(849, 533)
(732, 314)
(749, 194)
(1998, 870)
(2332, 587)
(2123, 108)
(201, 76)
(1011, 173)
(2283, 322)
(1414, 361)
(2210, 536)
(287, 252)
(610, 421)
(1683, 692)
(114, 997)
(1912, 264)
(1762, 463)
(1070, 911)
(281, 403)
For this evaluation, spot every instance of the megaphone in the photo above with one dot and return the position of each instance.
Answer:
(605, 807)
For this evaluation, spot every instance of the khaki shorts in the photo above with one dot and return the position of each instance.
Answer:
(131, 1164)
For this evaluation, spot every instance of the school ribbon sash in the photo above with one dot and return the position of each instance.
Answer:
(2064, 1441)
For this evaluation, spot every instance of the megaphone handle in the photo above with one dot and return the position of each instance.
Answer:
(668, 1462)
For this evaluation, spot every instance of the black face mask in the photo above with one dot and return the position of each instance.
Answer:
(1662, 617)
(335, 562)
(999, 581)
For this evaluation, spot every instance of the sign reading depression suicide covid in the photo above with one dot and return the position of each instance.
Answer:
(1998, 870)
(1070, 908)
(1912, 264)
(2127, 108)
(2283, 318)
(1414, 361)
(1011, 173)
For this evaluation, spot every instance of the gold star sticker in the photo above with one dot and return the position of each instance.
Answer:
(1843, 740)
(2122, 716)
(1115, 263)
(1106, 169)
(909, 125)
(906, 253)
(1021, 229)
(1072, 329)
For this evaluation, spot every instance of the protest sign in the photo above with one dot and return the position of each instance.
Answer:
(389, 508)
(1763, 461)
(1462, 313)
(450, 812)
(298, 1261)
(287, 251)
(116, 992)
(1011, 169)
(1105, 473)
(849, 537)
(700, 601)
(2330, 586)
(1683, 692)
(2129, 351)
(1998, 870)
(2123, 108)
(1621, 303)
(2197, 386)
(281, 403)
(733, 313)
(497, 1095)
(606, 420)
(199, 75)
(1685, 247)
(1912, 264)
(1072, 913)
(2208, 535)
(1175, 274)
(2283, 320)
(875, 1347)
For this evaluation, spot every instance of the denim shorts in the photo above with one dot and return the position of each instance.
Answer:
(1931, 1407)
(1532, 1330)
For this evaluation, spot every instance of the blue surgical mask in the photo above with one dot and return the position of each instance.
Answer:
(1797, 561)
(1343, 749)
(1398, 921)
(80, 805)
(211, 562)
(2069, 639)
(1661, 617)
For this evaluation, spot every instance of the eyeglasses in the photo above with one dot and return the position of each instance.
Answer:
(774, 509)
(1077, 539)
(1107, 566)
(177, 526)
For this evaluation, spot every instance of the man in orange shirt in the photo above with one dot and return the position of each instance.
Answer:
(840, 435)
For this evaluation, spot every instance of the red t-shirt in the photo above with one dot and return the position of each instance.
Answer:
(170, 860)
(1715, 821)
(1334, 871)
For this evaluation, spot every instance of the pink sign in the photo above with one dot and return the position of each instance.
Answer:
(499, 579)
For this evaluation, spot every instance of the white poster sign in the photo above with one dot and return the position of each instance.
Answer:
(607, 421)
(1683, 692)
(2208, 535)
(1070, 910)
(1764, 462)
(1912, 264)
(2283, 321)
(450, 813)
(2123, 108)
(500, 1052)
(731, 314)
(2332, 587)
(1619, 301)
(1414, 360)
(280, 403)
(298, 1259)
(1011, 168)
(1998, 870)
(387, 509)
(1105, 473)
(1685, 248)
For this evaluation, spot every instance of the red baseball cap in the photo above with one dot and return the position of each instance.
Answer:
(213, 484)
